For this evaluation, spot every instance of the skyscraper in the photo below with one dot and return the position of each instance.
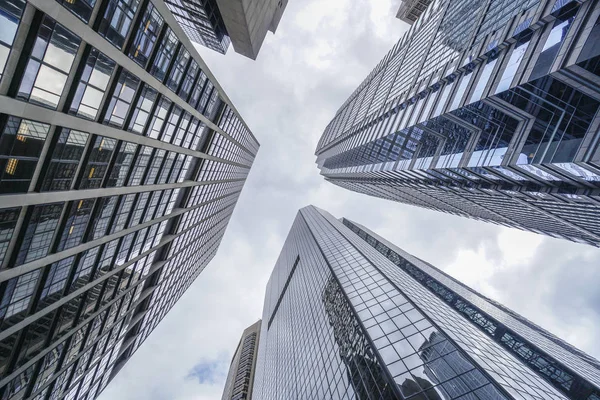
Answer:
(217, 23)
(121, 160)
(484, 109)
(348, 315)
(240, 379)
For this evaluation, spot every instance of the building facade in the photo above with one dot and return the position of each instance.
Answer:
(217, 23)
(348, 315)
(121, 160)
(486, 109)
(240, 379)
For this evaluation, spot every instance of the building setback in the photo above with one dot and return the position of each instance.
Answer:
(121, 160)
(486, 109)
(217, 23)
(240, 379)
(348, 315)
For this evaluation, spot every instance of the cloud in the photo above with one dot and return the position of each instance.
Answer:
(321, 52)
(207, 371)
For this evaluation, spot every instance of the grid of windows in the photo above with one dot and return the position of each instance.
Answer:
(474, 122)
(114, 226)
(391, 327)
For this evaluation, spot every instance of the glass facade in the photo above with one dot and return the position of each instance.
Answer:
(348, 315)
(115, 189)
(494, 120)
(240, 379)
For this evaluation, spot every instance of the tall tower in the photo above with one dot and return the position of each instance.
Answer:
(121, 160)
(240, 379)
(485, 109)
(348, 315)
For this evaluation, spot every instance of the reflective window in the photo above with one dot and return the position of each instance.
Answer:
(158, 119)
(205, 97)
(198, 89)
(117, 19)
(121, 99)
(10, 17)
(122, 163)
(165, 54)
(56, 281)
(49, 64)
(146, 36)
(65, 160)
(40, 231)
(93, 83)
(181, 63)
(48, 366)
(97, 164)
(78, 217)
(460, 91)
(142, 109)
(21, 143)
(182, 129)
(188, 81)
(81, 8)
(551, 47)
(483, 80)
(157, 160)
(513, 64)
(171, 124)
(141, 163)
(106, 206)
(16, 297)
(8, 221)
(83, 270)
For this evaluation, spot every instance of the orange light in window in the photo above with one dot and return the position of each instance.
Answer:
(11, 166)
(91, 172)
(71, 229)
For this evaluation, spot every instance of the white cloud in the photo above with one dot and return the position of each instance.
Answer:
(320, 53)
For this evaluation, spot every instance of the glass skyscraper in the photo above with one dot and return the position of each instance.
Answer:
(485, 109)
(240, 379)
(348, 315)
(121, 160)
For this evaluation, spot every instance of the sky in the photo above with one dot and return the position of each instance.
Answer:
(320, 53)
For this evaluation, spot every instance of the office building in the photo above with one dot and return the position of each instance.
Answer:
(217, 23)
(121, 160)
(483, 109)
(349, 315)
(411, 10)
(240, 379)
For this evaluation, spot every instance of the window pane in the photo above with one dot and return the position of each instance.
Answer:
(123, 161)
(49, 64)
(181, 63)
(78, 217)
(164, 56)
(55, 282)
(158, 118)
(142, 110)
(40, 231)
(146, 36)
(21, 143)
(10, 17)
(117, 19)
(17, 295)
(65, 159)
(8, 221)
(93, 83)
(121, 99)
(97, 164)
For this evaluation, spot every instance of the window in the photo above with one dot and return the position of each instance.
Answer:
(121, 99)
(198, 89)
(97, 164)
(77, 219)
(142, 110)
(158, 119)
(146, 36)
(188, 81)
(10, 17)
(181, 131)
(123, 161)
(181, 63)
(117, 19)
(55, 282)
(141, 163)
(165, 54)
(49, 64)
(513, 64)
(8, 221)
(40, 231)
(21, 143)
(93, 83)
(17, 295)
(65, 159)
(205, 97)
(81, 8)
(171, 125)
(157, 160)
